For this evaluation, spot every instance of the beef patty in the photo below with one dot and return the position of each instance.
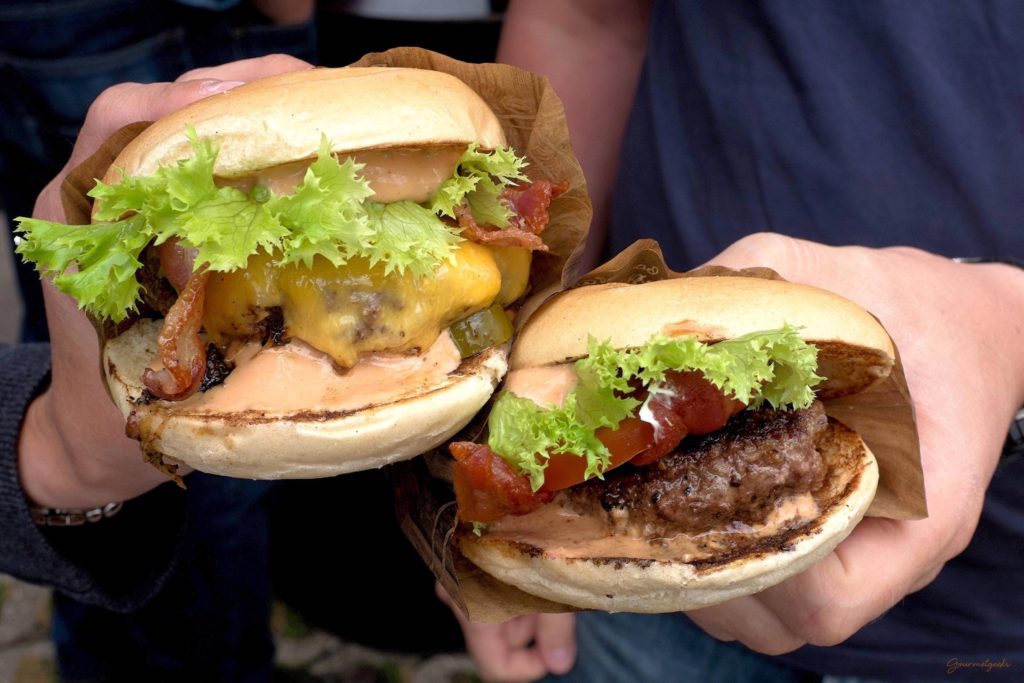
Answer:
(735, 474)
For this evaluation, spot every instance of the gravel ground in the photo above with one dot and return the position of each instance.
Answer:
(303, 655)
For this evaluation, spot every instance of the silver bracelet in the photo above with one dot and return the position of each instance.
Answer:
(71, 517)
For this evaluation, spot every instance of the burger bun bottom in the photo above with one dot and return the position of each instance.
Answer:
(632, 584)
(258, 444)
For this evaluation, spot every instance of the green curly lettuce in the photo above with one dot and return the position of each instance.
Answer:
(329, 215)
(776, 367)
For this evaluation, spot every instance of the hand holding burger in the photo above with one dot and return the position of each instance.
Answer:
(958, 330)
(72, 451)
(309, 275)
(586, 491)
(947, 319)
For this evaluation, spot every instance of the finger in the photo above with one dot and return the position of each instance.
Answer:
(829, 602)
(126, 103)
(790, 257)
(486, 644)
(749, 621)
(519, 632)
(556, 641)
(783, 254)
(496, 659)
(248, 69)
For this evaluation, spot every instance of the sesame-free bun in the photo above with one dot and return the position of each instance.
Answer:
(262, 444)
(261, 125)
(549, 553)
(547, 565)
(854, 350)
(283, 118)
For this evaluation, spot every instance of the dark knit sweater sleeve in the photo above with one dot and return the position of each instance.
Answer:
(118, 563)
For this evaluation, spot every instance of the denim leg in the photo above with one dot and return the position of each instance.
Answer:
(210, 622)
(621, 648)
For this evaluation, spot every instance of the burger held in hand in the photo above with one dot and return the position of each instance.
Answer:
(313, 269)
(663, 446)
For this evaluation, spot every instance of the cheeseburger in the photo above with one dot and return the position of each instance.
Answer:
(313, 269)
(663, 446)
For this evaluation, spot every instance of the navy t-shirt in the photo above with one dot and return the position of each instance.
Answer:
(868, 122)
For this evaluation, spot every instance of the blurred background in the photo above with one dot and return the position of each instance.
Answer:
(328, 618)
(10, 300)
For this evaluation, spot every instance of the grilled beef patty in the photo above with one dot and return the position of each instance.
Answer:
(735, 474)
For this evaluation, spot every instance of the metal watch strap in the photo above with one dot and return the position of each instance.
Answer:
(62, 517)
(1006, 260)
(1013, 449)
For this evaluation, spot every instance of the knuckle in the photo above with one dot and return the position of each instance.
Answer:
(110, 103)
(777, 646)
(280, 61)
(826, 629)
(772, 249)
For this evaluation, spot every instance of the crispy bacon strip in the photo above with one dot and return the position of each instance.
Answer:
(176, 262)
(529, 203)
(181, 349)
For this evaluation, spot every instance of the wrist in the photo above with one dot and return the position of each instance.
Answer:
(50, 476)
(1010, 277)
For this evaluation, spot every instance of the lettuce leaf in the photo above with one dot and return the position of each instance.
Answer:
(775, 366)
(526, 434)
(329, 215)
(480, 179)
(106, 255)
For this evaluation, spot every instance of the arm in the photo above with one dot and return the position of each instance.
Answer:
(592, 53)
(958, 328)
(62, 444)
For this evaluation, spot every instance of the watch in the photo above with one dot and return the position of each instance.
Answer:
(72, 517)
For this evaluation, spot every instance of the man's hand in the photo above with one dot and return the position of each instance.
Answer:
(72, 451)
(522, 649)
(958, 328)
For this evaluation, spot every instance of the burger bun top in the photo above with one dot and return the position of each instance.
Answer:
(854, 350)
(283, 119)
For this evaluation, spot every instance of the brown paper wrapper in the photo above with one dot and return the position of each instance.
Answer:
(883, 416)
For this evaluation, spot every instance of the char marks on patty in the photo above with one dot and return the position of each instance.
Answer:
(736, 474)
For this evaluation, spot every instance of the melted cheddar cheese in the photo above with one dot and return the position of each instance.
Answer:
(357, 309)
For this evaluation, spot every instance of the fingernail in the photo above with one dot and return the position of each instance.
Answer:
(560, 660)
(212, 86)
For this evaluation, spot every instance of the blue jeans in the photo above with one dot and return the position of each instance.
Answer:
(636, 648)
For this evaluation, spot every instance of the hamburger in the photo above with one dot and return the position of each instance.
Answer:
(309, 274)
(663, 446)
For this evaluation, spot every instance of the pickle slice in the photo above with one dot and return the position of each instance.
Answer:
(482, 330)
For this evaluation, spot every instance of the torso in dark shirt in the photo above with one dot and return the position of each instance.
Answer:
(874, 123)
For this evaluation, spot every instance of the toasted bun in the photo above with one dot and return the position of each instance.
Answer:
(283, 118)
(854, 349)
(299, 445)
(636, 584)
(625, 574)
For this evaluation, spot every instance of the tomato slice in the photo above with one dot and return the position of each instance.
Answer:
(702, 406)
(671, 430)
(632, 436)
(487, 488)
(691, 405)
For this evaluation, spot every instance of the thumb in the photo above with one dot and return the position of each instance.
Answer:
(556, 640)
(787, 256)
